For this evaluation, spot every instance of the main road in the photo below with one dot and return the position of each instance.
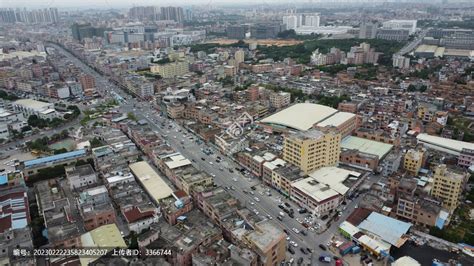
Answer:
(236, 183)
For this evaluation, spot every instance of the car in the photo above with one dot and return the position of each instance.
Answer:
(213, 175)
(220, 168)
(256, 199)
(303, 251)
(286, 232)
(302, 210)
(251, 193)
(287, 204)
(281, 207)
(324, 217)
(211, 163)
(287, 238)
(269, 217)
(232, 187)
(280, 218)
(300, 261)
(235, 179)
(203, 159)
(323, 247)
(192, 160)
(290, 249)
(230, 170)
(291, 215)
(303, 233)
(294, 244)
(295, 230)
(255, 211)
(309, 250)
(251, 203)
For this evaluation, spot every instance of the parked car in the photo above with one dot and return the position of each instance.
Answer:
(323, 247)
(291, 250)
(303, 251)
(300, 261)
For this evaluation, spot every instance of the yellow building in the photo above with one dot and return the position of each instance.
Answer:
(313, 149)
(413, 160)
(239, 56)
(105, 237)
(448, 186)
(268, 241)
(171, 70)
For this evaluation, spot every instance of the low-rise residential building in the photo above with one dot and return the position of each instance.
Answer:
(324, 189)
(81, 176)
(96, 208)
(138, 219)
(176, 206)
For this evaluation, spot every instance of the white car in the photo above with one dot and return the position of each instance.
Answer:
(287, 238)
(293, 243)
(256, 199)
(296, 230)
(235, 179)
(210, 163)
(255, 211)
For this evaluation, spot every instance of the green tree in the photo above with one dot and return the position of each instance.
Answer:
(131, 116)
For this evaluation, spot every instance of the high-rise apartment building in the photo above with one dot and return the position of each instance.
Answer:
(172, 13)
(368, 31)
(144, 13)
(293, 21)
(448, 186)
(46, 15)
(313, 149)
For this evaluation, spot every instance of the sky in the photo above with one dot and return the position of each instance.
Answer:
(118, 3)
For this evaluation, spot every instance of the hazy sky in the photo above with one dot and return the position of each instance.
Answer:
(124, 3)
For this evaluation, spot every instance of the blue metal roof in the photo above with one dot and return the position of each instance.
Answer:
(55, 158)
(389, 229)
(3, 179)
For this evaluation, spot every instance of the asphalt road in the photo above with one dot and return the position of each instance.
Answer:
(266, 206)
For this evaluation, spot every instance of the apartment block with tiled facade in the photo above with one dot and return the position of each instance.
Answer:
(413, 160)
(313, 149)
(448, 186)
